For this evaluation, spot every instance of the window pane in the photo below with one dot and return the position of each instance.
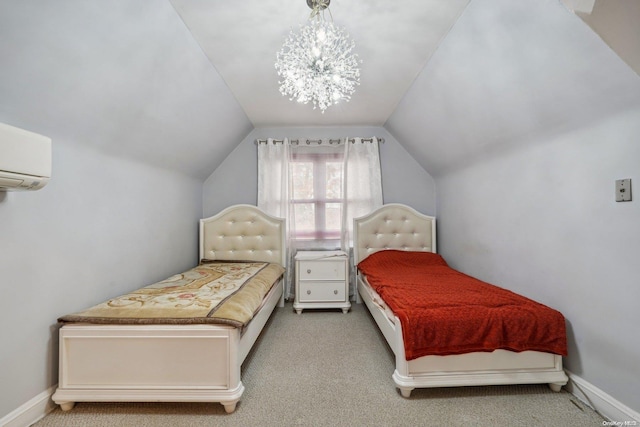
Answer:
(302, 177)
(333, 216)
(305, 220)
(334, 180)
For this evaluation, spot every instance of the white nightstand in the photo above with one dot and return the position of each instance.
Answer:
(322, 280)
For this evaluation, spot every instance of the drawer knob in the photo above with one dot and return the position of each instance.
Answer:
(335, 292)
(308, 292)
(308, 271)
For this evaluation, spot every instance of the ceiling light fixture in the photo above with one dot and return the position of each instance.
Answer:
(317, 64)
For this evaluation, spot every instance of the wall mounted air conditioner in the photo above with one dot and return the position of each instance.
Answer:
(25, 159)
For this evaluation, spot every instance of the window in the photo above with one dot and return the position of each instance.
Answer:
(305, 185)
(317, 195)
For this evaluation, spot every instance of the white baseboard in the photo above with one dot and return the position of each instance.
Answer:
(32, 411)
(606, 405)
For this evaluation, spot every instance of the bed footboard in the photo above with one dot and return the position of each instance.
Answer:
(156, 363)
(149, 363)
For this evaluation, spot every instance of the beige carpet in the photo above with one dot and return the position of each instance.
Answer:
(325, 368)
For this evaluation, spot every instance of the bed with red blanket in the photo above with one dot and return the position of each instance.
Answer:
(447, 328)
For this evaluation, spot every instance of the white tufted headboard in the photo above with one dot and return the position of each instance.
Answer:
(393, 226)
(243, 233)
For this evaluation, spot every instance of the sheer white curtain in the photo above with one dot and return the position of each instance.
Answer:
(273, 193)
(362, 189)
(273, 177)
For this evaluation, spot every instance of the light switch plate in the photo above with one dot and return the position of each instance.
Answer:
(623, 190)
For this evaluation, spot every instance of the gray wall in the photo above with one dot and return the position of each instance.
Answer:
(543, 221)
(101, 227)
(138, 118)
(126, 78)
(403, 179)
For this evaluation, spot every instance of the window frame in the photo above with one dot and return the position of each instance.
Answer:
(319, 200)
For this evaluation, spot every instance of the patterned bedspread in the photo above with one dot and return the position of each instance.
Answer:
(211, 293)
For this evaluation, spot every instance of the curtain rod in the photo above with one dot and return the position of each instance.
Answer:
(318, 141)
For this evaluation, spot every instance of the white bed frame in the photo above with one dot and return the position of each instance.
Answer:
(175, 363)
(396, 226)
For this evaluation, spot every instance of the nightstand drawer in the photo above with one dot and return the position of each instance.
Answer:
(322, 291)
(322, 280)
(321, 270)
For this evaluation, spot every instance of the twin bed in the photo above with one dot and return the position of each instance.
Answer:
(126, 350)
(399, 227)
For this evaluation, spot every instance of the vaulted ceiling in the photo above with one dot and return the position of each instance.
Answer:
(510, 73)
(179, 83)
(395, 39)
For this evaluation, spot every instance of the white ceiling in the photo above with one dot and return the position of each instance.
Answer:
(180, 83)
(394, 40)
(510, 73)
(124, 77)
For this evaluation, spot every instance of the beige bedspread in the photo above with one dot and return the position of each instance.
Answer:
(211, 293)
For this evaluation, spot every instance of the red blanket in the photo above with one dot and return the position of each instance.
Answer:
(443, 311)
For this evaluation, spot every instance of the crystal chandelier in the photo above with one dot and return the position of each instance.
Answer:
(317, 64)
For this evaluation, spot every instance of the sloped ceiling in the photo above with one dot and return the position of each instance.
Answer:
(179, 83)
(122, 76)
(509, 73)
(394, 39)
(618, 23)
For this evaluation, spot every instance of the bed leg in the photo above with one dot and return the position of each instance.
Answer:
(405, 391)
(67, 406)
(555, 387)
(229, 407)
